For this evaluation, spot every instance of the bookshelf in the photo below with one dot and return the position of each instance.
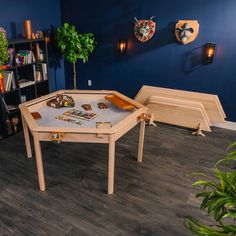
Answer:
(30, 80)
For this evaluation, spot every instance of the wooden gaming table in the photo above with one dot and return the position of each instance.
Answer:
(47, 127)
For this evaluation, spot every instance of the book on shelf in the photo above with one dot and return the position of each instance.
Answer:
(25, 83)
(40, 72)
(24, 57)
(11, 52)
(38, 52)
(45, 71)
(8, 80)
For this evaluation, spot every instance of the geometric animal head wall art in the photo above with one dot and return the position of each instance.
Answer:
(144, 29)
(186, 31)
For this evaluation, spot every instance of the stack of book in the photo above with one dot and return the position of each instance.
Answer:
(8, 80)
(24, 57)
(40, 72)
(25, 83)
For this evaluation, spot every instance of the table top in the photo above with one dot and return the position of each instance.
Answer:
(112, 114)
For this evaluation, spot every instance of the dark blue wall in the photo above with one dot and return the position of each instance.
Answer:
(45, 15)
(161, 61)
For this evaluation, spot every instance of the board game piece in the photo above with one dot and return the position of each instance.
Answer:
(61, 101)
(102, 125)
(87, 107)
(119, 102)
(80, 114)
(36, 115)
(102, 105)
(60, 117)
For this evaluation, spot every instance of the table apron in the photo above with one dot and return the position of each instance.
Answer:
(76, 137)
(126, 128)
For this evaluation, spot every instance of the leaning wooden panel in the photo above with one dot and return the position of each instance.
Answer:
(178, 114)
(179, 102)
(210, 102)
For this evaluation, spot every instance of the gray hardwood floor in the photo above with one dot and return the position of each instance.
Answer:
(152, 198)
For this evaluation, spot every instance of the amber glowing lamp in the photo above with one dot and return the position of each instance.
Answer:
(209, 52)
(122, 46)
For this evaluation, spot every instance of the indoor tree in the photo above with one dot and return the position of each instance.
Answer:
(218, 198)
(74, 46)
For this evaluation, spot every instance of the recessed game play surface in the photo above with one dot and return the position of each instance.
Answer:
(109, 116)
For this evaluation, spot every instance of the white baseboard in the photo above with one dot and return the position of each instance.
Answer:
(227, 125)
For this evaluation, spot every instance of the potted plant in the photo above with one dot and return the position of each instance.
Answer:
(3, 57)
(74, 46)
(218, 198)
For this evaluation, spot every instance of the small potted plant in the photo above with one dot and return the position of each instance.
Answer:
(218, 198)
(74, 46)
(3, 57)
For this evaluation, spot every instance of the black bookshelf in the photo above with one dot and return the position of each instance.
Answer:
(18, 95)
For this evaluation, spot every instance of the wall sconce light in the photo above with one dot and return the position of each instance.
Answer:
(209, 52)
(122, 46)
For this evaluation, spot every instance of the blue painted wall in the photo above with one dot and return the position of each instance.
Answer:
(45, 15)
(161, 61)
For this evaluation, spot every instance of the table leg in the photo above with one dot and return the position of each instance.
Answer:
(141, 141)
(111, 164)
(39, 162)
(27, 138)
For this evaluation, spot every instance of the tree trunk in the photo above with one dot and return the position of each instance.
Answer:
(74, 69)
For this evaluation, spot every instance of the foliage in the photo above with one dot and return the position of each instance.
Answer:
(218, 198)
(73, 45)
(3, 49)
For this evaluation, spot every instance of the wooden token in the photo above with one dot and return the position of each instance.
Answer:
(87, 107)
(102, 105)
(36, 115)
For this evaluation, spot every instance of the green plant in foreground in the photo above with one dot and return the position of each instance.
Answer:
(74, 46)
(218, 198)
(3, 50)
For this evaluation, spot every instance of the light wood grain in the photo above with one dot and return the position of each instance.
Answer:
(141, 141)
(210, 102)
(27, 138)
(111, 164)
(39, 162)
(83, 135)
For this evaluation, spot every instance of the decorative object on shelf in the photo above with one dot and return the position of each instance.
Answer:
(15, 123)
(144, 29)
(122, 46)
(209, 52)
(28, 29)
(61, 101)
(186, 31)
(74, 46)
(37, 35)
(2, 30)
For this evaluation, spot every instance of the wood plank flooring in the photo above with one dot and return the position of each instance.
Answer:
(152, 198)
